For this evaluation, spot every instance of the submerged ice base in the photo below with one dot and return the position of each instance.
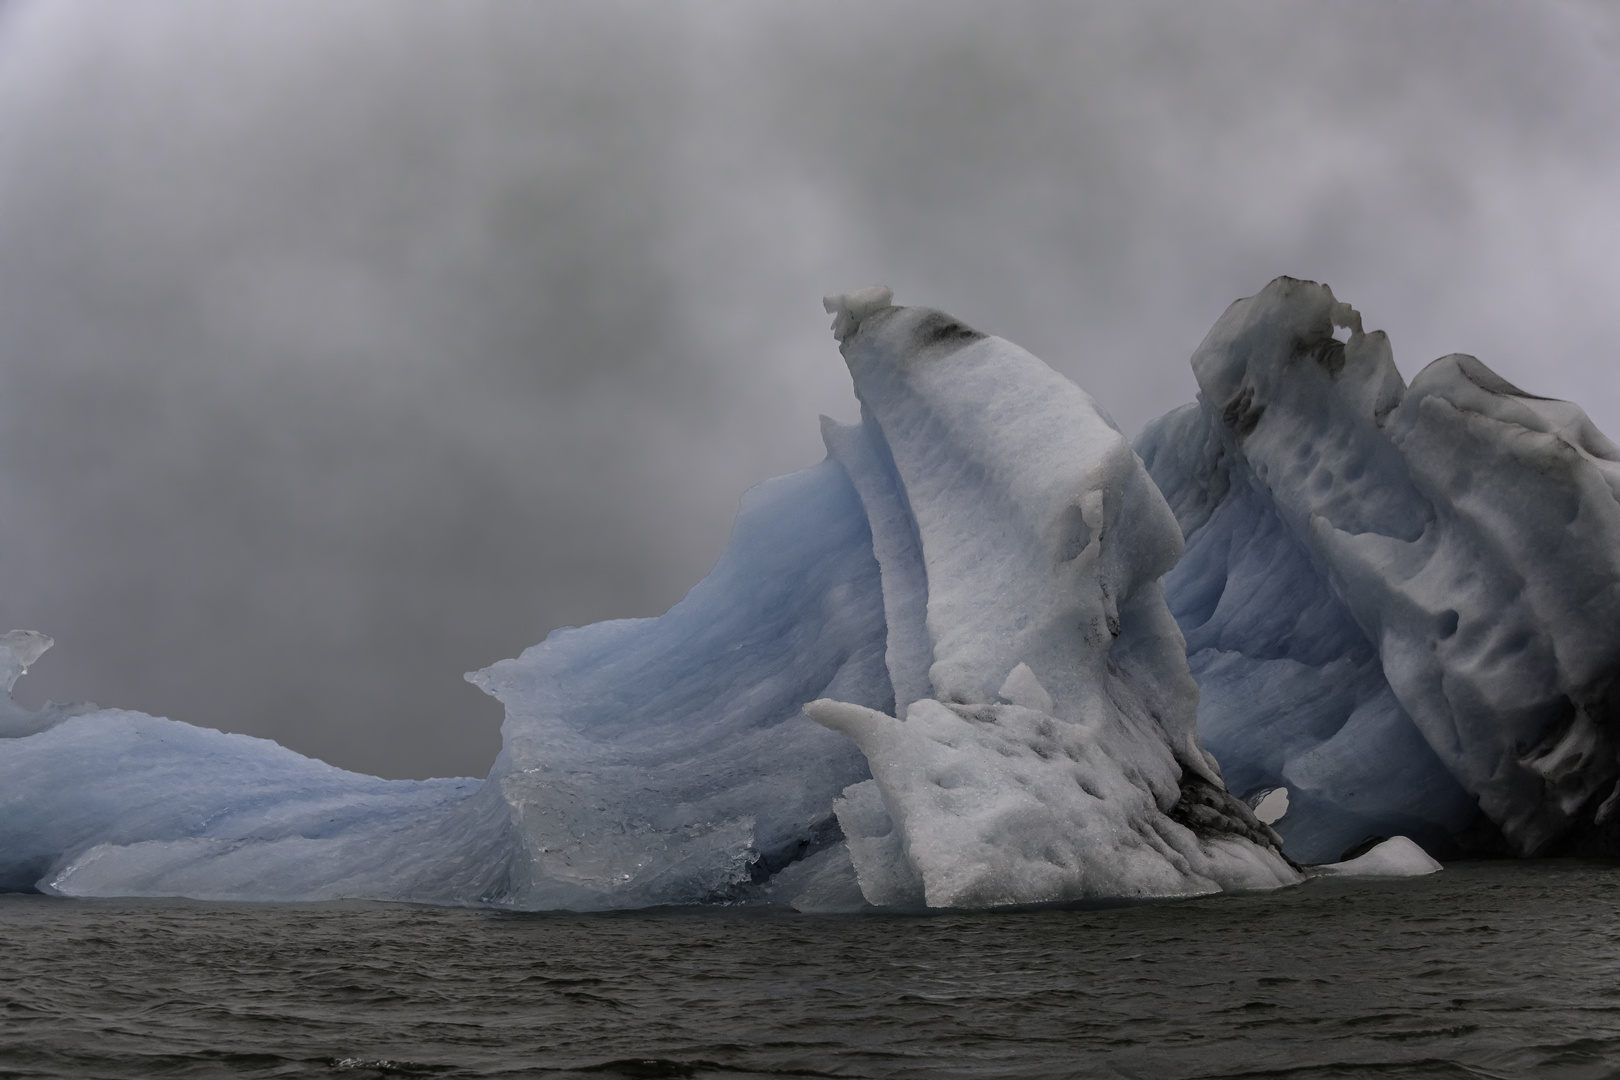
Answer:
(965, 594)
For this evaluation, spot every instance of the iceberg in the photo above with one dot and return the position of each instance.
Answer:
(936, 670)
(1401, 603)
(988, 653)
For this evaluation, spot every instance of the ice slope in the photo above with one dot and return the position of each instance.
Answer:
(100, 802)
(666, 761)
(116, 803)
(652, 761)
(965, 594)
(1401, 603)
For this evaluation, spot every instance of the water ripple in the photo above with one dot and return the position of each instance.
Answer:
(1486, 971)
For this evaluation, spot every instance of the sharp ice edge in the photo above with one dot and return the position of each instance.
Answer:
(1399, 603)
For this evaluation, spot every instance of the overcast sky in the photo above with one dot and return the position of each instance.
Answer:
(346, 347)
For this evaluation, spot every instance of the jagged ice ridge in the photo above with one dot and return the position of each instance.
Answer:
(1401, 603)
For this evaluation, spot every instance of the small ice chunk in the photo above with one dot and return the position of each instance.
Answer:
(848, 309)
(1023, 688)
(1395, 857)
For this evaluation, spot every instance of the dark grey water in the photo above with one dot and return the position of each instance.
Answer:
(1483, 970)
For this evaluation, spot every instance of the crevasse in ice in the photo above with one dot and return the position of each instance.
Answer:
(965, 600)
(1400, 603)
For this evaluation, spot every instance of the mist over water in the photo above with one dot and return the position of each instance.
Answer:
(1500, 970)
(344, 349)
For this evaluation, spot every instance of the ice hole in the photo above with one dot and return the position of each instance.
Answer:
(1272, 806)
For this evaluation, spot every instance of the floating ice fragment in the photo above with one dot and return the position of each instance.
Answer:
(1395, 857)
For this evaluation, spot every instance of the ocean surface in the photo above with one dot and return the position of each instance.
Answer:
(1482, 970)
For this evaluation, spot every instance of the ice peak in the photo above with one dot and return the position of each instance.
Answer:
(18, 650)
(848, 309)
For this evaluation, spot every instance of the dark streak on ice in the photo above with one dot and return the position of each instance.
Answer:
(1241, 414)
(937, 328)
